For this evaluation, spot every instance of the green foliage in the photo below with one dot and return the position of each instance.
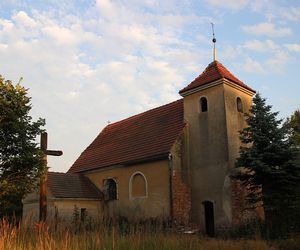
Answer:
(266, 164)
(293, 124)
(21, 161)
(293, 127)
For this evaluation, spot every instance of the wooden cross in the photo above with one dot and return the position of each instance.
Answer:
(43, 180)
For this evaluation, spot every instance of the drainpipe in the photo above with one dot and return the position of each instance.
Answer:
(170, 183)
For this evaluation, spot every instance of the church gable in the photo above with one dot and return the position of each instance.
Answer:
(146, 136)
(214, 71)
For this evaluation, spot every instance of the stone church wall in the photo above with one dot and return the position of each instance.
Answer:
(156, 202)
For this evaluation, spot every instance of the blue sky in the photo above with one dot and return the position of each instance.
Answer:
(89, 62)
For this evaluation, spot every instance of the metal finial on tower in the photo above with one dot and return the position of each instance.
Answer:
(214, 41)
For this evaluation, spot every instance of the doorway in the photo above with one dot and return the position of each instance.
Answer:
(209, 218)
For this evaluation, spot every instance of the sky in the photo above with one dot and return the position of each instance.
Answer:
(87, 63)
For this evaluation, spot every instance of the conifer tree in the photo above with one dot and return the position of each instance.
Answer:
(21, 160)
(267, 170)
(292, 125)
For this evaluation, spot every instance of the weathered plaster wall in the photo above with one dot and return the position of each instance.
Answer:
(63, 208)
(157, 202)
(208, 155)
(235, 122)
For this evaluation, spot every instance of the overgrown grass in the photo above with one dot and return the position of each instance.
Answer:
(60, 236)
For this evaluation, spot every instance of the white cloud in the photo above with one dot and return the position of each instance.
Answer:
(21, 18)
(294, 47)
(3, 46)
(290, 13)
(116, 60)
(228, 4)
(7, 25)
(61, 35)
(267, 29)
(252, 66)
(259, 5)
(277, 62)
(231, 53)
(261, 46)
(77, 69)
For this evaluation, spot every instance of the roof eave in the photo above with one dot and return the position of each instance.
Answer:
(157, 157)
(75, 198)
(207, 85)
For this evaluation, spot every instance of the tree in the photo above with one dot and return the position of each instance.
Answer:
(21, 160)
(292, 125)
(266, 163)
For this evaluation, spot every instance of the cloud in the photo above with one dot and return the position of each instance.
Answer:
(267, 29)
(277, 62)
(261, 46)
(228, 4)
(61, 35)
(290, 13)
(252, 66)
(112, 60)
(293, 47)
(82, 71)
(21, 18)
(260, 5)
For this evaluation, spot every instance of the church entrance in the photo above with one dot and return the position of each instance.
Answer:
(209, 218)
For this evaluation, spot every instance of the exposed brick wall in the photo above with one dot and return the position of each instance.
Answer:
(240, 213)
(238, 202)
(181, 199)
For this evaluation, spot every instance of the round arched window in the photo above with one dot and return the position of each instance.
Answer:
(203, 104)
(138, 185)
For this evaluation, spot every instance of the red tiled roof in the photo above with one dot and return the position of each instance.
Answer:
(65, 185)
(214, 71)
(143, 136)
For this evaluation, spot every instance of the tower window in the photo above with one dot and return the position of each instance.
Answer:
(110, 189)
(203, 104)
(138, 185)
(239, 105)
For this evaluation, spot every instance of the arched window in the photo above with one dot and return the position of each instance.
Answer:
(203, 104)
(138, 187)
(239, 105)
(110, 189)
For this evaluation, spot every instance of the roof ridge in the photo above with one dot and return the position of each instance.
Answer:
(217, 68)
(61, 173)
(139, 114)
(55, 172)
(137, 137)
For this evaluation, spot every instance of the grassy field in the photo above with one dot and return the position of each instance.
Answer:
(41, 236)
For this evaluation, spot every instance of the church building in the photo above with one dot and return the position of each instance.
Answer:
(171, 162)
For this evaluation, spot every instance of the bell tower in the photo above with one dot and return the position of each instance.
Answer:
(214, 104)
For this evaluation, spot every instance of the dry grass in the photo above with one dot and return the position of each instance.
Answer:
(42, 236)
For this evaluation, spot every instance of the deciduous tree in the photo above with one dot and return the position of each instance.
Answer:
(21, 160)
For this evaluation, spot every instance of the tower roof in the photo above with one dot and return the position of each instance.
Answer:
(214, 71)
